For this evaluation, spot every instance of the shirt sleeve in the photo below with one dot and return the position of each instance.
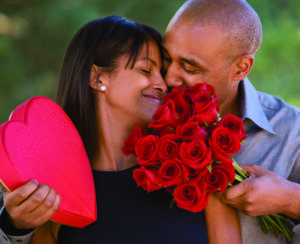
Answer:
(7, 239)
(11, 239)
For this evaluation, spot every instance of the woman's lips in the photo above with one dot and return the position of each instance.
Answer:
(154, 98)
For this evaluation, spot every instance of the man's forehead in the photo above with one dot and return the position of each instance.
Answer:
(194, 35)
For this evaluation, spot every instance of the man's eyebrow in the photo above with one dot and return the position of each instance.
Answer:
(190, 62)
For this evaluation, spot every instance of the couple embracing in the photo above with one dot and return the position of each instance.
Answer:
(114, 75)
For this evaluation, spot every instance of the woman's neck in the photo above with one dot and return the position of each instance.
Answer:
(112, 132)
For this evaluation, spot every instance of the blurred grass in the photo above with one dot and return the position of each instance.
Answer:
(34, 36)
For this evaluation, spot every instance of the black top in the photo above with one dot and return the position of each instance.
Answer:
(128, 214)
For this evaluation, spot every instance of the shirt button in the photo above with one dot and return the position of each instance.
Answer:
(19, 241)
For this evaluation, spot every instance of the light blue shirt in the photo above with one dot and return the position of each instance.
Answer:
(273, 142)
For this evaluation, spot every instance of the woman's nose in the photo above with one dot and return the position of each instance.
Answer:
(160, 84)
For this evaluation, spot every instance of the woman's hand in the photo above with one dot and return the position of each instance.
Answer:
(30, 205)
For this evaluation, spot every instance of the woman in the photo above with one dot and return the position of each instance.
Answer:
(111, 81)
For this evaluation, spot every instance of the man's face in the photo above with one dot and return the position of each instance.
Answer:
(198, 54)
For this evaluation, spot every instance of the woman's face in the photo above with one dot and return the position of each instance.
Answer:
(135, 94)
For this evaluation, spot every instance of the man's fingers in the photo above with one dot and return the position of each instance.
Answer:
(46, 209)
(253, 169)
(17, 196)
(233, 194)
(51, 211)
(35, 199)
(36, 209)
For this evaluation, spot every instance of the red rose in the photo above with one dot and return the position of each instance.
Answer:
(183, 106)
(206, 108)
(224, 144)
(149, 163)
(191, 131)
(192, 91)
(164, 131)
(192, 196)
(165, 116)
(195, 154)
(147, 178)
(145, 147)
(205, 101)
(168, 147)
(234, 124)
(129, 144)
(177, 95)
(197, 174)
(219, 177)
(172, 172)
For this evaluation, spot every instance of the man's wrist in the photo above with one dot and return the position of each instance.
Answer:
(292, 208)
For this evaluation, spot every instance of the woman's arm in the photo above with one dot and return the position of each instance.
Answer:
(222, 221)
(46, 234)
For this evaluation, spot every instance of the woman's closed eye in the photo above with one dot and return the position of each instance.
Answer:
(145, 71)
(167, 59)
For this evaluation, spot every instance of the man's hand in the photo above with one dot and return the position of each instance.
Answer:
(31, 205)
(264, 193)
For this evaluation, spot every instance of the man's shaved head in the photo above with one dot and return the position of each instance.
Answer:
(240, 23)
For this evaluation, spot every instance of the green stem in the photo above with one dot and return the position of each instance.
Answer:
(263, 226)
(238, 178)
(238, 169)
(285, 230)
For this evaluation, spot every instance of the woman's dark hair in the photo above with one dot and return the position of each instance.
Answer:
(100, 42)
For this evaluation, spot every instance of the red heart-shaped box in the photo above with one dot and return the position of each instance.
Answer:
(40, 142)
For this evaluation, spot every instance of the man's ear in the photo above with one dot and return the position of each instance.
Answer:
(97, 78)
(242, 66)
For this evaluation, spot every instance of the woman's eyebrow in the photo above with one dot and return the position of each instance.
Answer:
(148, 59)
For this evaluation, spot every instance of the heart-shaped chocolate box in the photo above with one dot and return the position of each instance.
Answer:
(40, 142)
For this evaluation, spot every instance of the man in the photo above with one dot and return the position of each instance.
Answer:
(215, 41)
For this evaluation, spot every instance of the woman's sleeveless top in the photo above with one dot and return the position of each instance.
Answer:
(128, 214)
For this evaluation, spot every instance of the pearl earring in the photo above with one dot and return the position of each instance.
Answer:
(103, 88)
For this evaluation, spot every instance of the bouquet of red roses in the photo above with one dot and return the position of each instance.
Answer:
(189, 149)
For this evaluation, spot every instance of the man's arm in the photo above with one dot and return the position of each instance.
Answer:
(10, 239)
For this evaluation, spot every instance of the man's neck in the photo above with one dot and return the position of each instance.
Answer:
(231, 105)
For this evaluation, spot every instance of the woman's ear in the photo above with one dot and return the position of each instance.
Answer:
(98, 79)
(242, 67)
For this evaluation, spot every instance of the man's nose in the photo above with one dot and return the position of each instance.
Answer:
(173, 76)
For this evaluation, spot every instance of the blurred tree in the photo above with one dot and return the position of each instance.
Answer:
(276, 66)
(34, 36)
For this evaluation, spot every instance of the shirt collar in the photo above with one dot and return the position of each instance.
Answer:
(251, 107)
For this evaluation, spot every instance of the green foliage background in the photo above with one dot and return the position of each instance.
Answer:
(34, 35)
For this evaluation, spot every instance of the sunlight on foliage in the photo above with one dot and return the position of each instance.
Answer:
(34, 36)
